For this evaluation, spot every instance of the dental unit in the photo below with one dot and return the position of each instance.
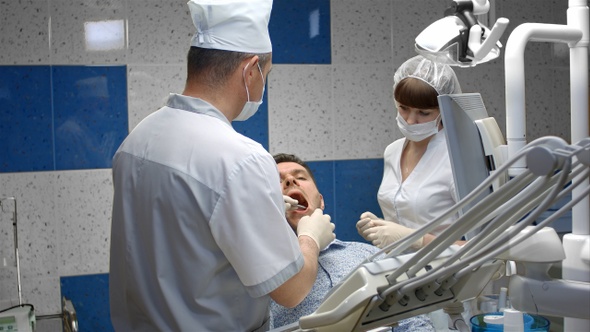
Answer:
(504, 208)
(383, 291)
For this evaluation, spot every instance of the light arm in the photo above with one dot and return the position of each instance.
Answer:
(459, 39)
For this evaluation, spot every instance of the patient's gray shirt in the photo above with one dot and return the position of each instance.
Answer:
(335, 263)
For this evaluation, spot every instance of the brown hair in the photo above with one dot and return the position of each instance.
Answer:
(286, 158)
(414, 92)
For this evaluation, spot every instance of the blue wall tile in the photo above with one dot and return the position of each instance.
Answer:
(90, 107)
(26, 137)
(256, 127)
(90, 296)
(61, 117)
(323, 172)
(349, 188)
(300, 32)
(356, 183)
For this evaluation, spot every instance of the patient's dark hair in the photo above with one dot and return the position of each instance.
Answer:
(286, 158)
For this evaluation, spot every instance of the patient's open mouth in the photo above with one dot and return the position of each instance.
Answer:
(302, 203)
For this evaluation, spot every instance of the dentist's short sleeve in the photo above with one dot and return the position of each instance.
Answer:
(249, 226)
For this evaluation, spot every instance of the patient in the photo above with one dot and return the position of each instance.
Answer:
(336, 261)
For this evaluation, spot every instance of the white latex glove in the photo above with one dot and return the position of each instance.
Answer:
(318, 227)
(290, 203)
(386, 232)
(363, 224)
(382, 233)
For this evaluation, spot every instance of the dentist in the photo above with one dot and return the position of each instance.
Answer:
(198, 238)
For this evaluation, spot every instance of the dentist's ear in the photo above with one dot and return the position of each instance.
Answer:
(250, 66)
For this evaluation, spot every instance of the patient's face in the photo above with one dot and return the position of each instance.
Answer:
(297, 183)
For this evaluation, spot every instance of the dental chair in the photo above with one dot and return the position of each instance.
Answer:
(512, 240)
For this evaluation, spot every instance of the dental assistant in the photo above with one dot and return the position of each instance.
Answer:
(198, 236)
(417, 184)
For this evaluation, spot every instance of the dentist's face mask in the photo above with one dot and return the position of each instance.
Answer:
(419, 131)
(250, 107)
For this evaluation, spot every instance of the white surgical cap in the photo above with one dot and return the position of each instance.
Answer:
(439, 76)
(232, 25)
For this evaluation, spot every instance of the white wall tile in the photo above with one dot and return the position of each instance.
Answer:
(559, 116)
(8, 273)
(149, 87)
(540, 105)
(36, 218)
(521, 12)
(37, 232)
(361, 31)
(64, 229)
(159, 31)
(68, 39)
(43, 292)
(83, 220)
(409, 18)
(301, 114)
(24, 35)
(364, 113)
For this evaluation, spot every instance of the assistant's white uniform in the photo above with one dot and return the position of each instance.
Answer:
(427, 192)
(199, 236)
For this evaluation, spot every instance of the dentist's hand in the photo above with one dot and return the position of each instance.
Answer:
(290, 203)
(318, 227)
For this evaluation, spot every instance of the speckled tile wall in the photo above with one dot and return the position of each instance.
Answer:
(328, 100)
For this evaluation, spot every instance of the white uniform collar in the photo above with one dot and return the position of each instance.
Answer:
(195, 105)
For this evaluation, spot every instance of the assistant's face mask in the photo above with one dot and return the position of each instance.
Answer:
(419, 131)
(250, 107)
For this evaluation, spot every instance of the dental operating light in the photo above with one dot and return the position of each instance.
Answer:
(459, 39)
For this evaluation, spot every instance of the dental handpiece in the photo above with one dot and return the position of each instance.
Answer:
(300, 207)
